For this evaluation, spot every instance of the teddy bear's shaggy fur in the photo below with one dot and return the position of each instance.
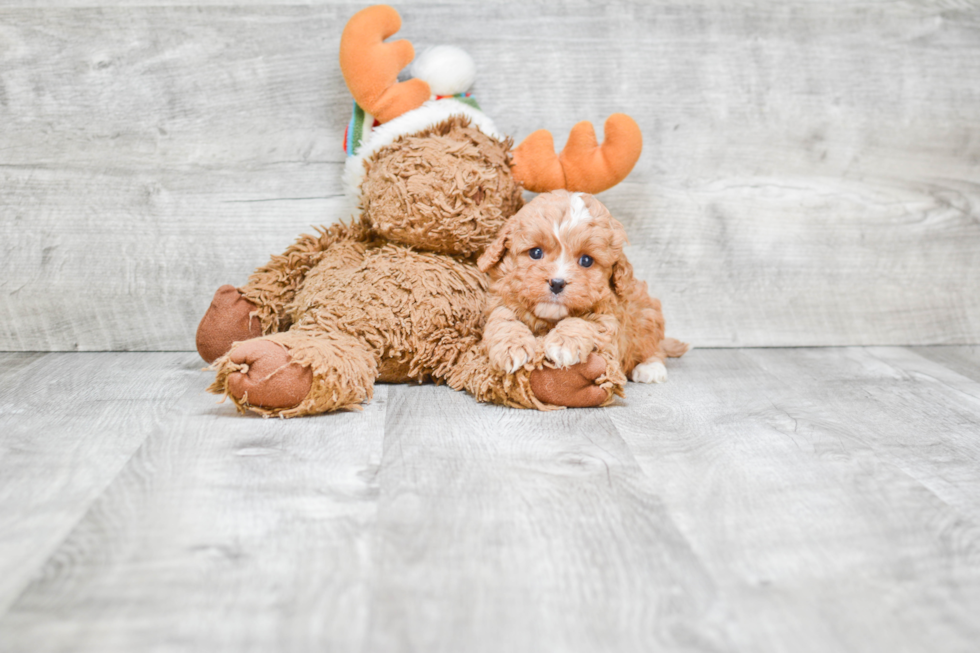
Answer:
(386, 298)
(445, 189)
(395, 295)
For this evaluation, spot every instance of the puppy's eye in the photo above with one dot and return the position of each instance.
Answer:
(536, 253)
(585, 261)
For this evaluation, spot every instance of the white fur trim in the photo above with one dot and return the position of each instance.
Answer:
(430, 113)
(447, 69)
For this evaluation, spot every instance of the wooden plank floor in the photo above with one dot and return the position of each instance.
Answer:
(762, 500)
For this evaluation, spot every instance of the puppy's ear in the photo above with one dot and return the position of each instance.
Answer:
(495, 252)
(621, 280)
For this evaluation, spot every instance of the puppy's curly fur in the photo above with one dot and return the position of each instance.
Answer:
(562, 288)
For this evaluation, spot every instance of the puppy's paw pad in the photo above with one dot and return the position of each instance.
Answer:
(562, 356)
(649, 372)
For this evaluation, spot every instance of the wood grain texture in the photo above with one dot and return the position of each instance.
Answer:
(222, 533)
(159, 153)
(504, 530)
(761, 500)
(962, 360)
(68, 425)
(53, 4)
(809, 176)
(820, 488)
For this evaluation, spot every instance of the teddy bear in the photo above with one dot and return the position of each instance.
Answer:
(395, 295)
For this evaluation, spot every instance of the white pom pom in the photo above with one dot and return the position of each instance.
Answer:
(448, 69)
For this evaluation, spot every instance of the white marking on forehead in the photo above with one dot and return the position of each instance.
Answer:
(580, 214)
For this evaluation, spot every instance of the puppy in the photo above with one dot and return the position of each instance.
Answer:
(562, 288)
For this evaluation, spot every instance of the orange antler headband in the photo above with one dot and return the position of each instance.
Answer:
(371, 66)
(583, 165)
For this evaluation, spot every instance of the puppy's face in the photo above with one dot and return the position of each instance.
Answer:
(556, 256)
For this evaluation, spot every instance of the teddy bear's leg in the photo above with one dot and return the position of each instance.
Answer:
(259, 307)
(578, 386)
(475, 374)
(574, 386)
(297, 373)
(267, 376)
(273, 286)
(230, 318)
(591, 382)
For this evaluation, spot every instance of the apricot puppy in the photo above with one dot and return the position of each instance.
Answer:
(562, 288)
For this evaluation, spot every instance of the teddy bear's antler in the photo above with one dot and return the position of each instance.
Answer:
(583, 165)
(371, 66)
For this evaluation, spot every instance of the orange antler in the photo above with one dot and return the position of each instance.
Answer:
(584, 165)
(371, 66)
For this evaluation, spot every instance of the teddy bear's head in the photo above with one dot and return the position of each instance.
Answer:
(447, 188)
(428, 168)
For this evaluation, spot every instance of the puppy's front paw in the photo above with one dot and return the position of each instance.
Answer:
(565, 350)
(512, 356)
(649, 372)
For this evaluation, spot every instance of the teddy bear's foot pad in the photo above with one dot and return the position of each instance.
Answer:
(573, 386)
(267, 376)
(228, 320)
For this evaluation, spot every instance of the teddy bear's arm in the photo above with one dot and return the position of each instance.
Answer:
(582, 385)
(273, 286)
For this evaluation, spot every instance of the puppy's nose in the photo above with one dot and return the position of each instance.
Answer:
(557, 285)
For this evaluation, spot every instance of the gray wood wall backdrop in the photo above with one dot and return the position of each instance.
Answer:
(811, 173)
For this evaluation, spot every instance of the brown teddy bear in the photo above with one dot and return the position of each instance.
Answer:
(395, 296)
